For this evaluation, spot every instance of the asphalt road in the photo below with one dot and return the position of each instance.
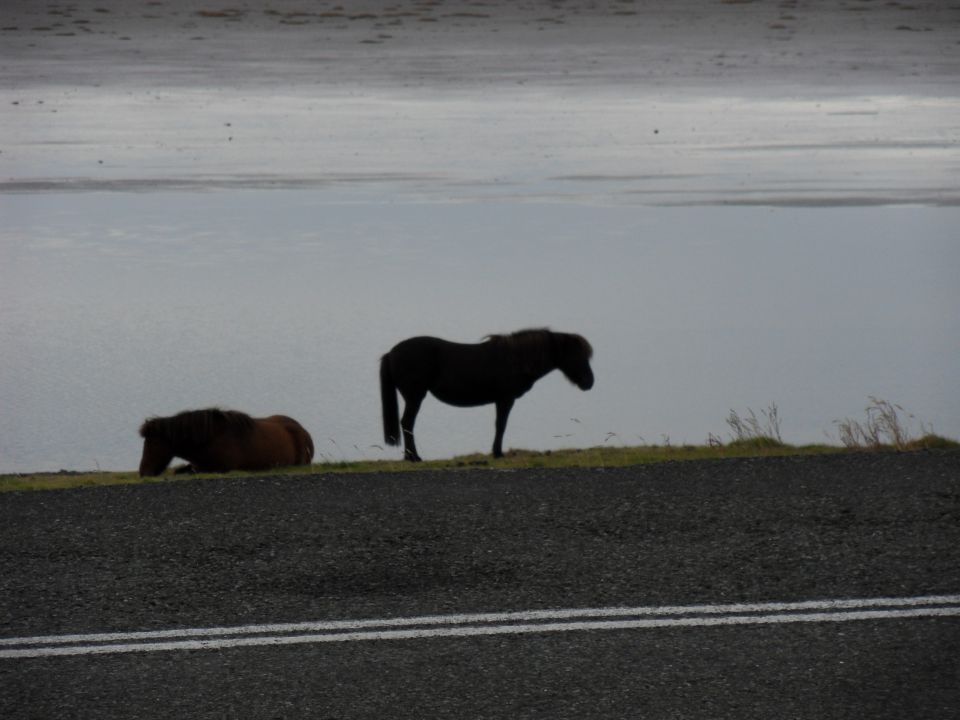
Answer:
(209, 553)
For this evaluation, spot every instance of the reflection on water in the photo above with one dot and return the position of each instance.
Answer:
(117, 306)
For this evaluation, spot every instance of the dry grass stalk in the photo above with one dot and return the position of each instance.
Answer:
(750, 428)
(883, 426)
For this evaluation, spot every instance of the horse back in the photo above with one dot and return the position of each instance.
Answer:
(462, 374)
(417, 360)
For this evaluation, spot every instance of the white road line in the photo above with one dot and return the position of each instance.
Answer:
(502, 617)
(472, 625)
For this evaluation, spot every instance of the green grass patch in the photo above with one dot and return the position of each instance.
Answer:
(66, 479)
(931, 441)
(601, 456)
(884, 428)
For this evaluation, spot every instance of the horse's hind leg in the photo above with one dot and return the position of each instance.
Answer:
(411, 406)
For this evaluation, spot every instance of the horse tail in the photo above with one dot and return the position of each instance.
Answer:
(388, 400)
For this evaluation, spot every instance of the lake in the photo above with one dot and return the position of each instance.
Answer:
(738, 205)
(115, 306)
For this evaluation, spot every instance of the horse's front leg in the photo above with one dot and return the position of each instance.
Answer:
(503, 412)
(411, 406)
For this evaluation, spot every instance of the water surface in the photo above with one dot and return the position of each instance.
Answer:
(116, 306)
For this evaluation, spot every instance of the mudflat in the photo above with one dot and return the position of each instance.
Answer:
(640, 102)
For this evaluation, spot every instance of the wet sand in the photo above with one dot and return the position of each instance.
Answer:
(796, 103)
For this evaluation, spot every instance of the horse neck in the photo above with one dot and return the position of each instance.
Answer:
(195, 432)
(538, 364)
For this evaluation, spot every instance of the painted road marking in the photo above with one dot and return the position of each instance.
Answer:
(481, 624)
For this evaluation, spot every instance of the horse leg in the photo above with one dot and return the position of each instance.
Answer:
(411, 406)
(503, 412)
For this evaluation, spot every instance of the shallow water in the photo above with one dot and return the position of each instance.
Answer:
(117, 306)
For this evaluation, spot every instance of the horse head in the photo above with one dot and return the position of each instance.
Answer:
(573, 358)
(157, 450)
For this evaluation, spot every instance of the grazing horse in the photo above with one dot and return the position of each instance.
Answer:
(499, 370)
(216, 440)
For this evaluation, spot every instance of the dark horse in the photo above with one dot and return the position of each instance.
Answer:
(216, 440)
(499, 370)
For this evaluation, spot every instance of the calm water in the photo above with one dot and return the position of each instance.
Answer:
(117, 306)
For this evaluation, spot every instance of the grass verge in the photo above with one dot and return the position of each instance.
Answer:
(601, 456)
(884, 429)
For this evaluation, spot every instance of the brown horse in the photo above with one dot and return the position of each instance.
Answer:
(496, 371)
(215, 440)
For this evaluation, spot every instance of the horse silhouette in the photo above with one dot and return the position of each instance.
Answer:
(498, 370)
(215, 440)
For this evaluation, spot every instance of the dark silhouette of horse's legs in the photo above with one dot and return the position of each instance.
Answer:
(503, 412)
(411, 406)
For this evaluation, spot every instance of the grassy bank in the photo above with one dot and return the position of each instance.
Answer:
(884, 428)
(603, 456)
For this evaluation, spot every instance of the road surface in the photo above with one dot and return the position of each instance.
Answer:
(754, 588)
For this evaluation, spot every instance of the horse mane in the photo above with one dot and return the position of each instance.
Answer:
(535, 347)
(195, 428)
